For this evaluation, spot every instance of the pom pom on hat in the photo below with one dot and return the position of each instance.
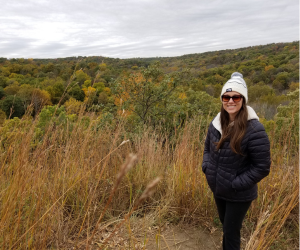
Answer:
(236, 74)
(236, 83)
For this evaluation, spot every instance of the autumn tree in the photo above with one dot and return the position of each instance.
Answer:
(40, 98)
(81, 77)
(145, 93)
(12, 89)
(25, 94)
(90, 96)
(73, 106)
(56, 91)
(102, 66)
(3, 81)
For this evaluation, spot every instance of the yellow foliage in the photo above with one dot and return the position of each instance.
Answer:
(89, 91)
(40, 98)
(182, 96)
(43, 95)
(73, 106)
(81, 76)
(102, 67)
(262, 57)
(107, 90)
(269, 67)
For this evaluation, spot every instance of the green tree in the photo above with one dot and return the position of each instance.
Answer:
(2, 93)
(25, 94)
(3, 81)
(146, 93)
(257, 91)
(287, 119)
(191, 104)
(12, 106)
(12, 89)
(56, 91)
(282, 81)
(49, 67)
(77, 93)
(49, 116)
(81, 77)
(99, 86)
(87, 83)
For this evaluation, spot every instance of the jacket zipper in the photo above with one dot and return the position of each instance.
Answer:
(219, 150)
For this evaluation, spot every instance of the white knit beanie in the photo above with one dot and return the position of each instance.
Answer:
(236, 83)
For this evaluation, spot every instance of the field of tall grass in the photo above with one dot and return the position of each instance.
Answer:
(64, 188)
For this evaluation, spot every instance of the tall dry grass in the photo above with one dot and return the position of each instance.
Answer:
(57, 192)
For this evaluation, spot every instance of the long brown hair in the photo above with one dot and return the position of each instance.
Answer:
(235, 132)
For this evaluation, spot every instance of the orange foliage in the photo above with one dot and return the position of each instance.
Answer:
(182, 96)
(269, 67)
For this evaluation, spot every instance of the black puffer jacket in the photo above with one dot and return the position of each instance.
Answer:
(231, 176)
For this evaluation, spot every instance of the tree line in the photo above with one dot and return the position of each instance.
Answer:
(157, 90)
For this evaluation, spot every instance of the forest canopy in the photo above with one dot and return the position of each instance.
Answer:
(155, 90)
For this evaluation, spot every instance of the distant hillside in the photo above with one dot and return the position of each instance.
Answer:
(270, 71)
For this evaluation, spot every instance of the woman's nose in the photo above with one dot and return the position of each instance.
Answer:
(230, 100)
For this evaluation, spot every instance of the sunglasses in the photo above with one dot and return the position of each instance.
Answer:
(235, 98)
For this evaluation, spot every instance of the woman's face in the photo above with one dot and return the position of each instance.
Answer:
(232, 107)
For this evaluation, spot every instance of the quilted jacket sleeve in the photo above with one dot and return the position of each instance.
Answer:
(206, 150)
(258, 151)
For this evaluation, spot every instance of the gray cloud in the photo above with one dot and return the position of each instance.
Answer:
(141, 28)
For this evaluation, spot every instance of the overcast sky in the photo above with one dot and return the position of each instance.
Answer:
(141, 28)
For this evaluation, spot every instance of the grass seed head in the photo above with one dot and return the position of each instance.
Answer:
(129, 163)
(149, 189)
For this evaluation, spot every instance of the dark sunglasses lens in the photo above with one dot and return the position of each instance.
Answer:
(225, 98)
(236, 98)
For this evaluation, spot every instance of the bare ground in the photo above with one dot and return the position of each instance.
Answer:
(136, 235)
(185, 237)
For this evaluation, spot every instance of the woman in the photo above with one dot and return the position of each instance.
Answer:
(236, 157)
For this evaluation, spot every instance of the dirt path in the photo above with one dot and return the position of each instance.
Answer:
(142, 235)
(185, 238)
(182, 237)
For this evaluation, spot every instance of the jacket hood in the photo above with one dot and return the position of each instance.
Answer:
(217, 121)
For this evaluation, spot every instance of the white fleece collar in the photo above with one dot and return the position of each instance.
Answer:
(217, 121)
